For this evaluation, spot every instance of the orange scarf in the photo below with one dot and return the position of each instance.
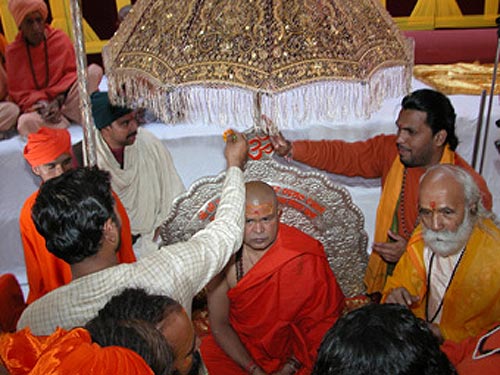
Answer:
(64, 353)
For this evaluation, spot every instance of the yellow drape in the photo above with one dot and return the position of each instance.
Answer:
(436, 8)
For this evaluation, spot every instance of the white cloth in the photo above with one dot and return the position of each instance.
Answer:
(147, 184)
(441, 273)
(179, 271)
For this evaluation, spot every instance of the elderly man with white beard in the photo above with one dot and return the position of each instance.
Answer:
(450, 272)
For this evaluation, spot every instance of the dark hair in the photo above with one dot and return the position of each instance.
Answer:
(70, 212)
(440, 112)
(381, 339)
(136, 303)
(137, 335)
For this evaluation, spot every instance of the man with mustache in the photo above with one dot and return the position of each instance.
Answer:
(425, 137)
(450, 272)
(274, 301)
(41, 71)
(144, 175)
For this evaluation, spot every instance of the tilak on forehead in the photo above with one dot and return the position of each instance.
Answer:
(259, 209)
(433, 204)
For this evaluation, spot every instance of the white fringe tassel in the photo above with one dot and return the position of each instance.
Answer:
(316, 103)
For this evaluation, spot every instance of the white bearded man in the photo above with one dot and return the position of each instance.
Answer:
(450, 272)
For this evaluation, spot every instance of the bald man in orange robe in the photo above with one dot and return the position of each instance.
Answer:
(274, 301)
(49, 153)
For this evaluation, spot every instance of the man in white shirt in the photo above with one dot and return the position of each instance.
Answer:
(75, 214)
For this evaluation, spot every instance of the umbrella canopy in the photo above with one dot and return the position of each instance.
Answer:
(228, 61)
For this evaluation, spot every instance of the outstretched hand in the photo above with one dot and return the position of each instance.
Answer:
(280, 145)
(236, 150)
(391, 251)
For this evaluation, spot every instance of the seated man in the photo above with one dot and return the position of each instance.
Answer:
(144, 175)
(8, 110)
(108, 347)
(274, 301)
(378, 340)
(75, 214)
(48, 151)
(167, 315)
(450, 272)
(41, 69)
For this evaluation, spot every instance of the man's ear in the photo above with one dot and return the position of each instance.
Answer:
(440, 137)
(109, 231)
(36, 170)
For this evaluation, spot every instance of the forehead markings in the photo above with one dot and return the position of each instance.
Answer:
(433, 204)
(259, 209)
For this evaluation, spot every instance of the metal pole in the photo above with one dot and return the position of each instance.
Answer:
(492, 92)
(478, 128)
(88, 148)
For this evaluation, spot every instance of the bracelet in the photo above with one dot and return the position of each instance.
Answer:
(294, 364)
(251, 367)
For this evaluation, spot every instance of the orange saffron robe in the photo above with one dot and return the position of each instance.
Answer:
(62, 68)
(284, 305)
(465, 354)
(472, 302)
(47, 272)
(374, 158)
(66, 353)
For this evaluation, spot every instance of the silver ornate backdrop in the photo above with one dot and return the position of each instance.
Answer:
(310, 202)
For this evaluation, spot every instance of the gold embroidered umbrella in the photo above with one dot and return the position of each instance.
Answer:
(228, 61)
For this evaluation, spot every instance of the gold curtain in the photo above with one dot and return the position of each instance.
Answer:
(455, 79)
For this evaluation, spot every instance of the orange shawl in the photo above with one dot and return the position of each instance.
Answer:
(66, 353)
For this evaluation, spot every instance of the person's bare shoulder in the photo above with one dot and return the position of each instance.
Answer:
(230, 272)
(225, 279)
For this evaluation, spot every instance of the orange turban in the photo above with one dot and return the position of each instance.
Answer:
(66, 352)
(20, 8)
(46, 145)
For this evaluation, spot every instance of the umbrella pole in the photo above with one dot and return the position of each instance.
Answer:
(89, 150)
(257, 111)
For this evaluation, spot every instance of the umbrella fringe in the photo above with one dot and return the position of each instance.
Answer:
(320, 103)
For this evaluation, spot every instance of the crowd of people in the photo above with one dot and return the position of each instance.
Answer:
(106, 296)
